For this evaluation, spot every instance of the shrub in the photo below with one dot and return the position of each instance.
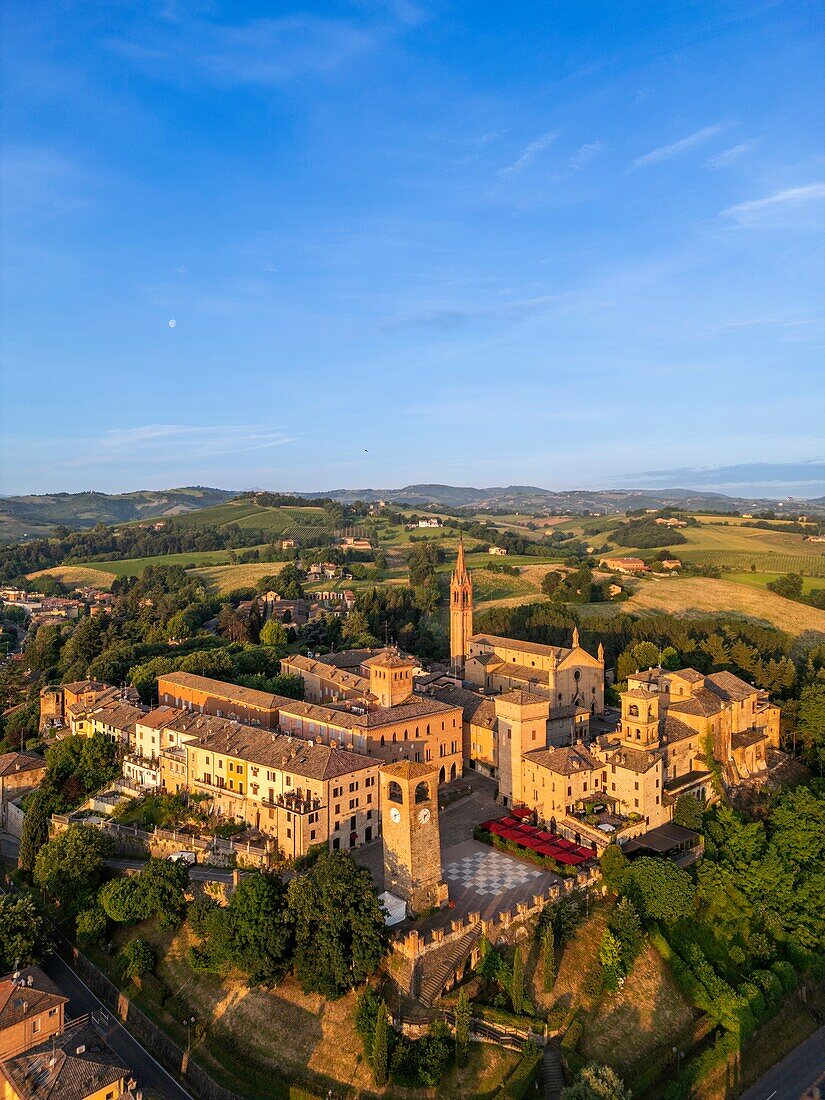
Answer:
(521, 1080)
(92, 925)
(770, 986)
(198, 913)
(573, 1034)
(786, 974)
(137, 957)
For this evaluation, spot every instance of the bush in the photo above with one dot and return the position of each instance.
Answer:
(198, 913)
(771, 986)
(524, 1076)
(786, 974)
(572, 1035)
(137, 957)
(92, 925)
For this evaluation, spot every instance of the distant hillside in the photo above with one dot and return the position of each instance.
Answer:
(530, 498)
(30, 516)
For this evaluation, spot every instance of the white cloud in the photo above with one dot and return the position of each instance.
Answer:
(585, 154)
(665, 152)
(530, 153)
(162, 441)
(792, 196)
(728, 156)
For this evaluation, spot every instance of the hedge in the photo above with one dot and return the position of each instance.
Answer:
(574, 1032)
(523, 1077)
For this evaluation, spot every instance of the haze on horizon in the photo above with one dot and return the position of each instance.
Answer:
(413, 242)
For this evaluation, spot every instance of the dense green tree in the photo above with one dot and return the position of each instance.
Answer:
(69, 867)
(22, 932)
(123, 900)
(625, 924)
(260, 932)
(613, 864)
(163, 885)
(340, 936)
(688, 812)
(659, 889)
(274, 636)
(810, 724)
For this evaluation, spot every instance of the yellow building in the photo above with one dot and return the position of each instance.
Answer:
(324, 683)
(77, 1063)
(299, 792)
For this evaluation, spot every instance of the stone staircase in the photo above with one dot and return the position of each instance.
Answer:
(436, 970)
(551, 1071)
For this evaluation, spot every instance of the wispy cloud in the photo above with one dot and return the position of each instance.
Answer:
(666, 152)
(444, 319)
(585, 154)
(728, 156)
(265, 51)
(156, 441)
(530, 153)
(792, 196)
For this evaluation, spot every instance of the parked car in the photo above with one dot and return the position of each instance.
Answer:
(183, 857)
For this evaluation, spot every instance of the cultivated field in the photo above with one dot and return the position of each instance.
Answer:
(279, 522)
(77, 576)
(702, 596)
(133, 567)
(225, 578)
(761, 580)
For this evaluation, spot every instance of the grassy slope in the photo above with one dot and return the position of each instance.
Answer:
(688, 595)
(133, 567)
(760, 580)
(76, 575)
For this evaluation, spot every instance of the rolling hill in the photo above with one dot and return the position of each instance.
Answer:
(33, 516)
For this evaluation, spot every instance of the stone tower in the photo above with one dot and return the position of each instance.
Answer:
(412, 843)
(391, 677)
(640, 718)
(461, 611)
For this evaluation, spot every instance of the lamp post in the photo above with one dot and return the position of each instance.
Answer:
(190, 1023)
(678, 1055)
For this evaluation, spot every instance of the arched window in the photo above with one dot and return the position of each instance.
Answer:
(406, 735)
(441, 775)
(394, 737)
(394, 792)
(422, 791)
(382, 740)
(633, 711)
(452, 772)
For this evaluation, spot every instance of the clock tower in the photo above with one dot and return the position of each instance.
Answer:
(412, 843)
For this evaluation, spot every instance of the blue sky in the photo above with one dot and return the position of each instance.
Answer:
(569, 244)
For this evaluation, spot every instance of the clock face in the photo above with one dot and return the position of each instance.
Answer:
(395, 814)
(424, 816)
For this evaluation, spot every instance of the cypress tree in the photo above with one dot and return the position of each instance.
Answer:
(380, 1048)
(462, 1027)
(517, 981)
(549, 960)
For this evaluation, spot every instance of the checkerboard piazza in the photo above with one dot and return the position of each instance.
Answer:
(489, 872)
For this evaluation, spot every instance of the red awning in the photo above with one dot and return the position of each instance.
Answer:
(521, 812)
(529, 830)
(511, 822)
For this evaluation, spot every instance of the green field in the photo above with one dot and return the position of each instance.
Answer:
(760, 580)
(283, 522)
(133, 567)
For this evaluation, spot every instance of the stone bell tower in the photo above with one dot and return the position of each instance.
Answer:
(412, 844)
(461, 612)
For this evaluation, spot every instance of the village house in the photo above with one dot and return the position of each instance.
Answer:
(20, 772)
(624, 565)
(32, 1010)
(299, 792)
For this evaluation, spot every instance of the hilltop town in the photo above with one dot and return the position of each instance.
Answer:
(509, 806)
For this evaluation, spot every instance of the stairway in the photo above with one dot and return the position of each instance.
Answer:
(432, 979)
(551, 1071)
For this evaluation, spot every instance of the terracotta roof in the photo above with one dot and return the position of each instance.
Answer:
(78, 687)
(117, 713)
(56, 1071)
(703, 703)
(415, 707)
(519, 697)
(408, 769)
(346, 658)
(564, 761)
(570, 711)
(635, 760)
(41, 995)
(13, 762)
(290, 754)
(675, 730)
(486, 658)
(729, 687)
(477, 708)
(746, 738)
(641, 693)
(326, 672)
(522, 672)
(161, 717)
(515, 643)
(392, 658)
(221, 690)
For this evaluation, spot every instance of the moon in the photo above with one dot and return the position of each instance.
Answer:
(172, 323)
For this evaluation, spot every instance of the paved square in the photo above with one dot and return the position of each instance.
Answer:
(489, 873)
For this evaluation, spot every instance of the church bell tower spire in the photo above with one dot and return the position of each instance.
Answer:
(461, 611)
